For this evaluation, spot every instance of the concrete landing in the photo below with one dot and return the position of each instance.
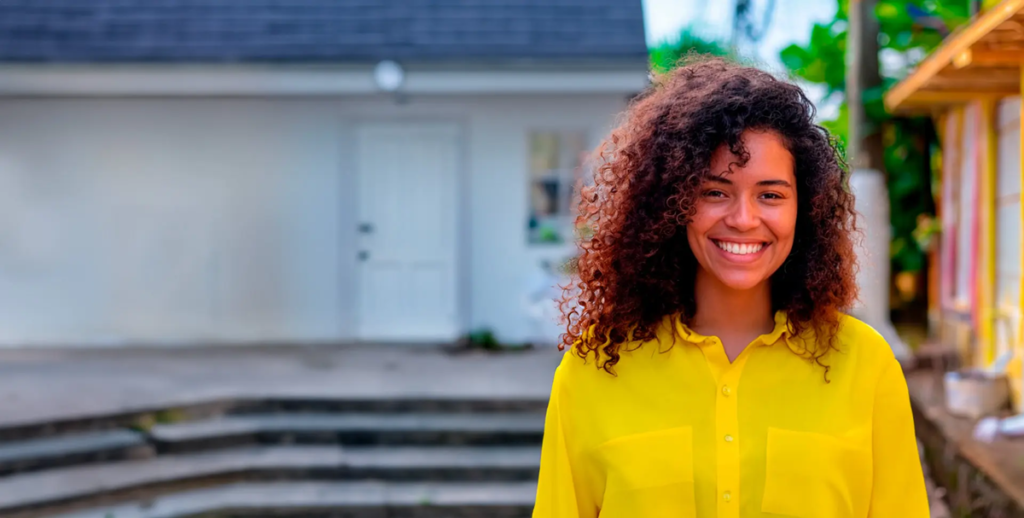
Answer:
(45, 385)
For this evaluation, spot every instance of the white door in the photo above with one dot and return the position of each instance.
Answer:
(407, 231)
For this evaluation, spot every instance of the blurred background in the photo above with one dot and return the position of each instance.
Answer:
(299, 258)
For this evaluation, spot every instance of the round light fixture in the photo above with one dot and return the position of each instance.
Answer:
(388, 75)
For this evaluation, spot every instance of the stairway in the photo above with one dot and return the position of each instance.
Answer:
(366, 458)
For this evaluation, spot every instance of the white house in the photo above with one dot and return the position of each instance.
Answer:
(317, 171)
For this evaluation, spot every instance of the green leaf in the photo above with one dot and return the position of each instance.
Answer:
(842, 9)
(840, 125)
(893, 12)
(874, 105)
(794, 57)
(822, 60)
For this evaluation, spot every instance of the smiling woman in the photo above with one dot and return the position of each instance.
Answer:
(723, 378)
(743, 229)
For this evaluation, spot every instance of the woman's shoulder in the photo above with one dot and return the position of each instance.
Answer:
(591, 354)
(577, 376)
(858, 341)
(578, 363)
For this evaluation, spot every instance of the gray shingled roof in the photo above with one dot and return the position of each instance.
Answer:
(319, 30)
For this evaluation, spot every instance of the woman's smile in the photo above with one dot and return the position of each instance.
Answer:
(741, 251)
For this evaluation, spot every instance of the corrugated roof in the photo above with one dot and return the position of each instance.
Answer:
(318, 30)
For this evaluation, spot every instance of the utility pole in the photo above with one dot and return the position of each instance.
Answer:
(868, 182)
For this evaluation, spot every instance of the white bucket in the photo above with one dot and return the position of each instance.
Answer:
(976, 393)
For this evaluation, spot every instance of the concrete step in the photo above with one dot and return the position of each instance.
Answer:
(388, 405)
(137, 418)
(252, 429)
(67, 450)
(350, 429)
(209, 408)
(34, 492)
(372, 499)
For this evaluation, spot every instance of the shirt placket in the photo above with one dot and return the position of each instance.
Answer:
(727, 439)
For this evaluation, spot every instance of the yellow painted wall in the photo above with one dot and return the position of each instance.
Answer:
(985, 161)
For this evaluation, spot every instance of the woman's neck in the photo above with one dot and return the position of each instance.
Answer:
(736, 317)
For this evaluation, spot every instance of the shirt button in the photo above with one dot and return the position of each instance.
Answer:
(728, 438)
(726, 390)
(727, 496)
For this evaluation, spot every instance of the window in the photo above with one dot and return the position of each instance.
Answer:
(556, 159)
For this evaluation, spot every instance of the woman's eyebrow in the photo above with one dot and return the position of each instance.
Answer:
(781, 183)
(763, 183)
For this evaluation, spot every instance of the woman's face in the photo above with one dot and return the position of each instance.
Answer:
(746, 219)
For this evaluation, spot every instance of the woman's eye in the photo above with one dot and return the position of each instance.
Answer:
(714, 194)
(772, 196)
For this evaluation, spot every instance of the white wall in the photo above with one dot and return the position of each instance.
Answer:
(195, 220)
(164, 220)
(967, 176)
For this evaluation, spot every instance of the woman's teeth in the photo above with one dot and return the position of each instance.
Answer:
(740, 248)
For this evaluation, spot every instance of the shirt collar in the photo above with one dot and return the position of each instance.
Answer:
(781, 330)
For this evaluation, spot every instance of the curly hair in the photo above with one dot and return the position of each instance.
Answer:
(635, 267)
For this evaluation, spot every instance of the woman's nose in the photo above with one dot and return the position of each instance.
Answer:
(743, 215)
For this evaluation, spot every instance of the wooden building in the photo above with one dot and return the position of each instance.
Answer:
(971, 85)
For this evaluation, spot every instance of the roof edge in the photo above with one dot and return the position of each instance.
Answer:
(954, 45)
(193, 81)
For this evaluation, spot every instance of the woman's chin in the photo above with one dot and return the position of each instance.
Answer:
(741, 281)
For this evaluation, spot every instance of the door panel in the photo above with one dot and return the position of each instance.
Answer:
(407, 231)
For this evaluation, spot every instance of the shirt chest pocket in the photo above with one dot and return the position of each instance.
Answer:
(812, 475)
(649, 475)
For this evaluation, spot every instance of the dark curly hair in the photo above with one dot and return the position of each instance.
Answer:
(635, 267)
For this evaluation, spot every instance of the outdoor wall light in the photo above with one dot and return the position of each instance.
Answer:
(388, 75)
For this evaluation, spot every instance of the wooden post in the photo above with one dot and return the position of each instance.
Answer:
(986, 297)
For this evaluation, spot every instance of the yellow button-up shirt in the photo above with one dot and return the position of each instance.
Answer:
(681, 432)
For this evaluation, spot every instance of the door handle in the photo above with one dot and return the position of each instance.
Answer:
(364, 255)
(365, 228)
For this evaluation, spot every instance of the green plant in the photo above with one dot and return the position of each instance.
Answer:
(143, 423)
(484, 339)
(928, 228)
(666, 54)
(170, 416)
